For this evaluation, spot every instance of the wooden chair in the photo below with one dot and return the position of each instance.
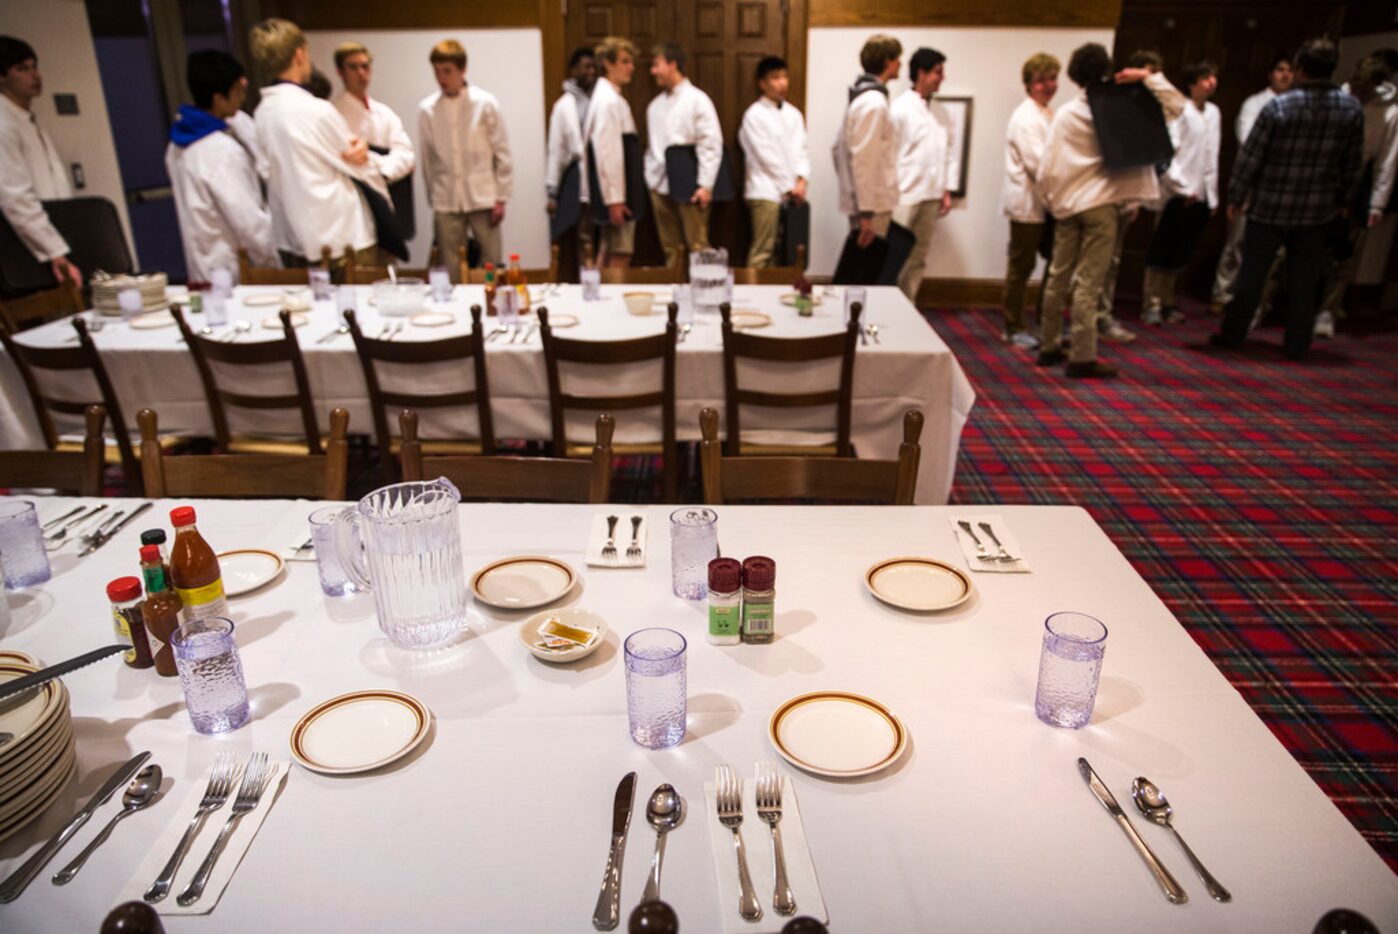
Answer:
(615, 354)
(249, 274)
(785, 350)
(320, 476)
(77, 472)
(547, 273)
(466, 350)
(772, 275)
(83, 357)
(368, 275)
(284, 350)
(643, 275)
(848, 479)
(527, 479)
(38, 308)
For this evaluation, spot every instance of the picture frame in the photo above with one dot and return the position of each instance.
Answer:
(958, 109)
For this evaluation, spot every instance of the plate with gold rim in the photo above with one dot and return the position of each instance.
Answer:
(922, 585)
(523, 582)
(359, 731)
(837, 734)
(246, 569)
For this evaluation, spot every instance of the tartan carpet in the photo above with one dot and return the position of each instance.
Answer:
(1257, 497)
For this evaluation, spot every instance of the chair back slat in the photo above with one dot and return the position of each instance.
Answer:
(77, 472)
(38, 308)
(547, 273)
(248, 274)
(643, 275)
(772, 275)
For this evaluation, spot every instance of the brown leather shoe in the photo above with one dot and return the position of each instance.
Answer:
(1094, 369)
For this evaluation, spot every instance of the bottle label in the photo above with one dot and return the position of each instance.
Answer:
(155, 578)
(122, 629)
(725, 621)
(757, 618)
(198, 596)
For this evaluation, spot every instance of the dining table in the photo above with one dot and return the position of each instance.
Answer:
(500, 820)
(901, 362)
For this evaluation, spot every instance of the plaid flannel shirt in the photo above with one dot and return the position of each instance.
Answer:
(1301, 160)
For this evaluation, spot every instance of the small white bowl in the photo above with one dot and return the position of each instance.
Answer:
(638, 303)
(407, 296)
(569, 616)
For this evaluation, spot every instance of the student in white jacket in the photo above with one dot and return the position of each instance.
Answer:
(680, 115)
(466, 160)
(218, 196)
(926, 157)
(30, 169)
(866, 150)
(773, 137)
(608, 120)
(1026, 138)
(565, 141)
(390, 148)
(313, 159)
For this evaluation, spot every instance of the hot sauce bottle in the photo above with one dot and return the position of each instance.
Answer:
(194, 569)
(161, 611)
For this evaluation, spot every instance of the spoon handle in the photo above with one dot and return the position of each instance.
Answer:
(1216, 890)
(652, 890)
(66, 874)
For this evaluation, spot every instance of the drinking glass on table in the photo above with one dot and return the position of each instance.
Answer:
(439, 283)
(656, 687)
(1070, 665)
(22, 545)
(693, 544)
(346, 299)
(320, 283)
(684, 301)
(858, 294)
(211, 673)
(130, 302)
(334, 582)
(708, 278)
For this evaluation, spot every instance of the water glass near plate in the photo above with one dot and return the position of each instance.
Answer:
(439, 283)
(221, 282)
(346, 299)
(855, 294)
(321, 290)
(334, 582)
(211, 673)
(656, 687)
(22, 545)
(708, 278)
(1070, 666)
(693, 544)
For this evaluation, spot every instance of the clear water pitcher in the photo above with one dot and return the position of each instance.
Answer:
(708, 277)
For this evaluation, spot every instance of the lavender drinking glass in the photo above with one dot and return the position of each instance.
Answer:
(1070, 665)
(211, 673)
(656, 688)
(22, 545)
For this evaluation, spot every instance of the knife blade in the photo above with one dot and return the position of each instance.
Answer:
(607, 914)
(12, 887)
(1172, 889)
(108, 535)
(45, 675)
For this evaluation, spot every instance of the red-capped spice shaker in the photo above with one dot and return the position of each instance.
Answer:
(759, 599)
(725, 601)
(127, 622)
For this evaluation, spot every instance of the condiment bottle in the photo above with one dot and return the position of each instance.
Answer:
(725, 601)
(161, 611)
(157, 537)
(490, 288)
(194, 569)
(759, 598)
(125, 594)
(802, 285)
(517, 279)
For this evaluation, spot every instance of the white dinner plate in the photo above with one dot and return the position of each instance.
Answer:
(27, 716)
(359, 731)
(10, 655)
(47, 751)
(262, 298)
(918, 584)
(562, 320)
(152, 320)
(247, 569)
(274, 322)
(523, 583)
(20, 808)
(837, 734)
(746, 319)
(432, 319)
(789, 298)
(569, 616)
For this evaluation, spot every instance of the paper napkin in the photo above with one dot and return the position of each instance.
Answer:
(757, 846)
(1002, 532)
(622, 540)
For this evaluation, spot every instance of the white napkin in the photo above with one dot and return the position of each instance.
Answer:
(291, 532)
(757, 846)
(598, 537)
(1002, 532)
(159, 853)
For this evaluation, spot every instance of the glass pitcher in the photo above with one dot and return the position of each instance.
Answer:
(708, 276)
(410, 559)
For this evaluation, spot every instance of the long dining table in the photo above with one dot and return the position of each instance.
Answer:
(903, 364)
(501, 821)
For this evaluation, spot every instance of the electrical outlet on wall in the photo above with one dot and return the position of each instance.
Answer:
(79, 179)
(66, 104)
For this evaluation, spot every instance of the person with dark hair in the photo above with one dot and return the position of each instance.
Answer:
(390, 147)
(31, 171)
(1088, 202)
(1190, 186)
(927, 150)
(680, 115)
(1026, 138)
(1278, 82)
(218, 195)
(773, 137)
(1294, 177)
(565, 139)
(866, 147)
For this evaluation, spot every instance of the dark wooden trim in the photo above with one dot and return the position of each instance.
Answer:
(980, 13)
(968, 292)
(419, 14)
(553, 34)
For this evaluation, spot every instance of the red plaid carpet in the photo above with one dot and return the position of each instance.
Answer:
(1258, 498)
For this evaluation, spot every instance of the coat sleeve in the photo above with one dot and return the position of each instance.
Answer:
(1249, 161)
(1213, 142)
(611, 158)
(1171, 100)
(500, 149)
(22, 207)
(710, 141)
(556, 157)
(424, 145)
(401, 159)
(758, 146)
(1385, 163)
(238, 196)
(803, 153)
(867, 128)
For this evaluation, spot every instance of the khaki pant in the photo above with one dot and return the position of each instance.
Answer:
(1230, 261)
(1082, 255)
(765, 217)
(1339, 275)
(369, 256)
(920, 218)
(1023, 255)
(451, 228)
(1105, 318)
(1159, 288)
(683, 228)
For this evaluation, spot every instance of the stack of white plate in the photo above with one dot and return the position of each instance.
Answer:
(37, 764)
(106, 289)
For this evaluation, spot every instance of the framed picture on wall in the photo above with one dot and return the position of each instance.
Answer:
(958, 110)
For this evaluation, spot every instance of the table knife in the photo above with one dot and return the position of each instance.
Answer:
(1172, 889)
(43, 676)
(12, 887)
(607, 914)
(108, 535)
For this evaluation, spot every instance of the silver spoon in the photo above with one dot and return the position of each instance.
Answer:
(140, 794)
(663, 810)
(342, 329)
(684, 332)
(239, 329)
(874, 333)
(1151, 802)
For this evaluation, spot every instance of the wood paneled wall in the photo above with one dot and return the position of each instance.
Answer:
(1068, 13)
(413, 14)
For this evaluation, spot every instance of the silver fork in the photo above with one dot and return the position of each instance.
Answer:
(609, 547)
(769, 808)
(110, 522)
(215, 794)
(730, 814)
(633, 550)
(255, 775)
(1004, 555)
(57, 536)
(981, 551)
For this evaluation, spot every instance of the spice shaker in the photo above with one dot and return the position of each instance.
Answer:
(127, 621)
(725, 601)
(759, 599)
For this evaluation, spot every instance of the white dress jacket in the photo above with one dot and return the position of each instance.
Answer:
(465, 151)
(218, 200)
(30, 172)
(1026, 140)
(926, 149)
(608, 119)
(1193, 172)
(866, 156)
(376, 123)
(565, 142)
(774, 149)
(684, 116)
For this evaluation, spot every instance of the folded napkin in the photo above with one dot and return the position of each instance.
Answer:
(290, 533)
(158, 854)
(1002, 532)
(598, 537)
(757, 846)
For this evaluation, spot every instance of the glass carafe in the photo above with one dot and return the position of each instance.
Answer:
(708, 277)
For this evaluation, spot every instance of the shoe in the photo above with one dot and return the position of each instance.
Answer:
(1151, 316)
(1325, 324)
(1024, 339)
(1175, 316)
(1118, 334)
(1224, 342)
(1050, 358)
(1094, 369)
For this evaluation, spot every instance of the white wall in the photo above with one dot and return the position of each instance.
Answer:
(506, 62)
(59, 32)
(983, 63)
(1379, 243)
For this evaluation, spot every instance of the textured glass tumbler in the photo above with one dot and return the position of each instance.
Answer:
(1070, 665)
(211, 673)
(334, 582)
(22, 545)
(693, 544)
(656, 688)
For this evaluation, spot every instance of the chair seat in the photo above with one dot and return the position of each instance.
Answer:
(788, 450)
(111, 451)
(577, 449)
(445, 446)
(260, 444)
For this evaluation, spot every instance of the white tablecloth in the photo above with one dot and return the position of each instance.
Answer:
(909, 366)
(501, 823)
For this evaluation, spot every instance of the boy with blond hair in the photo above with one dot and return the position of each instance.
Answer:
(1026, 139)
(608, 121)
